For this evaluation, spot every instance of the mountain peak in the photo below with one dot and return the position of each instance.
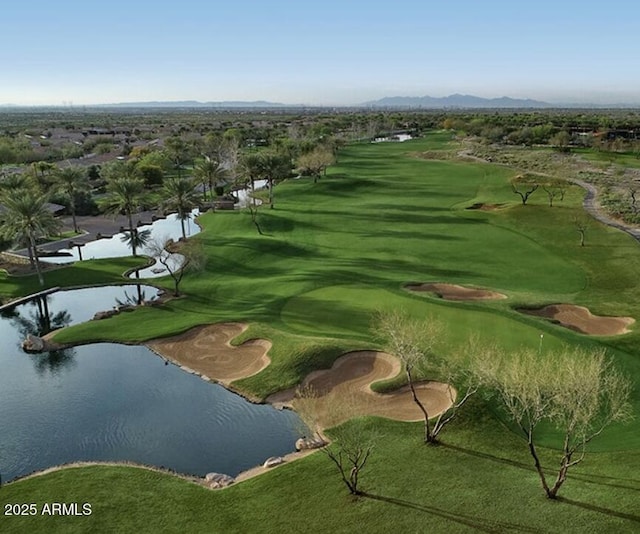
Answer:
(455, 100)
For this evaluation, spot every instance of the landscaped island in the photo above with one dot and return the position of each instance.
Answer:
(334, 252)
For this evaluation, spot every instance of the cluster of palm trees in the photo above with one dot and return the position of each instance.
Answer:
(24, 198)
(26, 213)
(27, 216)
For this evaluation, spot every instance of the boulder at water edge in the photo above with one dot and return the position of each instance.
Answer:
(309, 443)
(33, 344)
(218, 480)
(273, 461)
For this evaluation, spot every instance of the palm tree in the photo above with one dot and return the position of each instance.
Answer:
(253, 168)
(268, 166)
(275, 165)
(41, 171)
(125, 191)
(13, 181)
(28, 218)
(71, 181)
(177, 149)
(180, 196)
(209, 171)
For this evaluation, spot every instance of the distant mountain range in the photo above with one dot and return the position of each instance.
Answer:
(455, 101)
(194, 104)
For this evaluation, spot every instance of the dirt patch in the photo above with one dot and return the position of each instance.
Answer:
(353, 374)
(581, 320)
(206, 350)
(455, 292)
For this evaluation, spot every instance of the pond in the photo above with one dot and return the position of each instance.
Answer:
(115, 247)
(244, 194)
(109, 402)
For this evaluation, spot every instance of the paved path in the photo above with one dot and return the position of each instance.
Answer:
(593, 207)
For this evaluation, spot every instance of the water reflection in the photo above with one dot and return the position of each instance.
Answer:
(120, 244)
(54, 362)
(131, 299)
(38, 320)
(108, 402)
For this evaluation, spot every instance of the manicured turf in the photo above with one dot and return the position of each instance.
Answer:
(480, 481)
(627, 159)
(334, 253)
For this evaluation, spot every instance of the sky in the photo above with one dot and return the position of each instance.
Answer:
(327, 52)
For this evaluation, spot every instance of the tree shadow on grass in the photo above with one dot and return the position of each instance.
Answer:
(274, 247)
(345, 187)
(394, 234)
(582, 477)
(600, 509)
(397, 205)
(476, 523)
(587, 477)
(357, 266)
(576, 476)
(403, 217)
(487, 456)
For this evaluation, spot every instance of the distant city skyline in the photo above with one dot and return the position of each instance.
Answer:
(330, 53)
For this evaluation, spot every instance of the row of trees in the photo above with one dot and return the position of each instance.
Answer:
(577, 392)
(606, 131)
(25, 197)
(524, 185)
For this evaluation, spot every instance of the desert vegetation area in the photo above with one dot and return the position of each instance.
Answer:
(452, 316)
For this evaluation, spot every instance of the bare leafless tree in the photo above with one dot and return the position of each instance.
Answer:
(353, 441)
(412, 341)
(177, 258)
(582, 224)
(524, 187)
(578, 392)
(554, 188)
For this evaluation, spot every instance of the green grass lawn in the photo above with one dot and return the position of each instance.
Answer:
(480, 480)
(335, 252)
(626, 159)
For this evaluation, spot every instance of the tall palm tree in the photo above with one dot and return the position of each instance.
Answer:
(209, 171)
(70, 182)
(275, 166)
(41, 172)
(178, 151)
(269, 166)
(125, 191)
(180, 195)
(253, 169)
(28, 218)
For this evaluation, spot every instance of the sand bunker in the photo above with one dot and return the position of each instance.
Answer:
(581, 320)
(455, 292)
(207, 351)
(352, 375)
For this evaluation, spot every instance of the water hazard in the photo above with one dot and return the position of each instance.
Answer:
(105, 402)
(117, 245)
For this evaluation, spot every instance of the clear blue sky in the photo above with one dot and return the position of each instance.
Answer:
(319, 52)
